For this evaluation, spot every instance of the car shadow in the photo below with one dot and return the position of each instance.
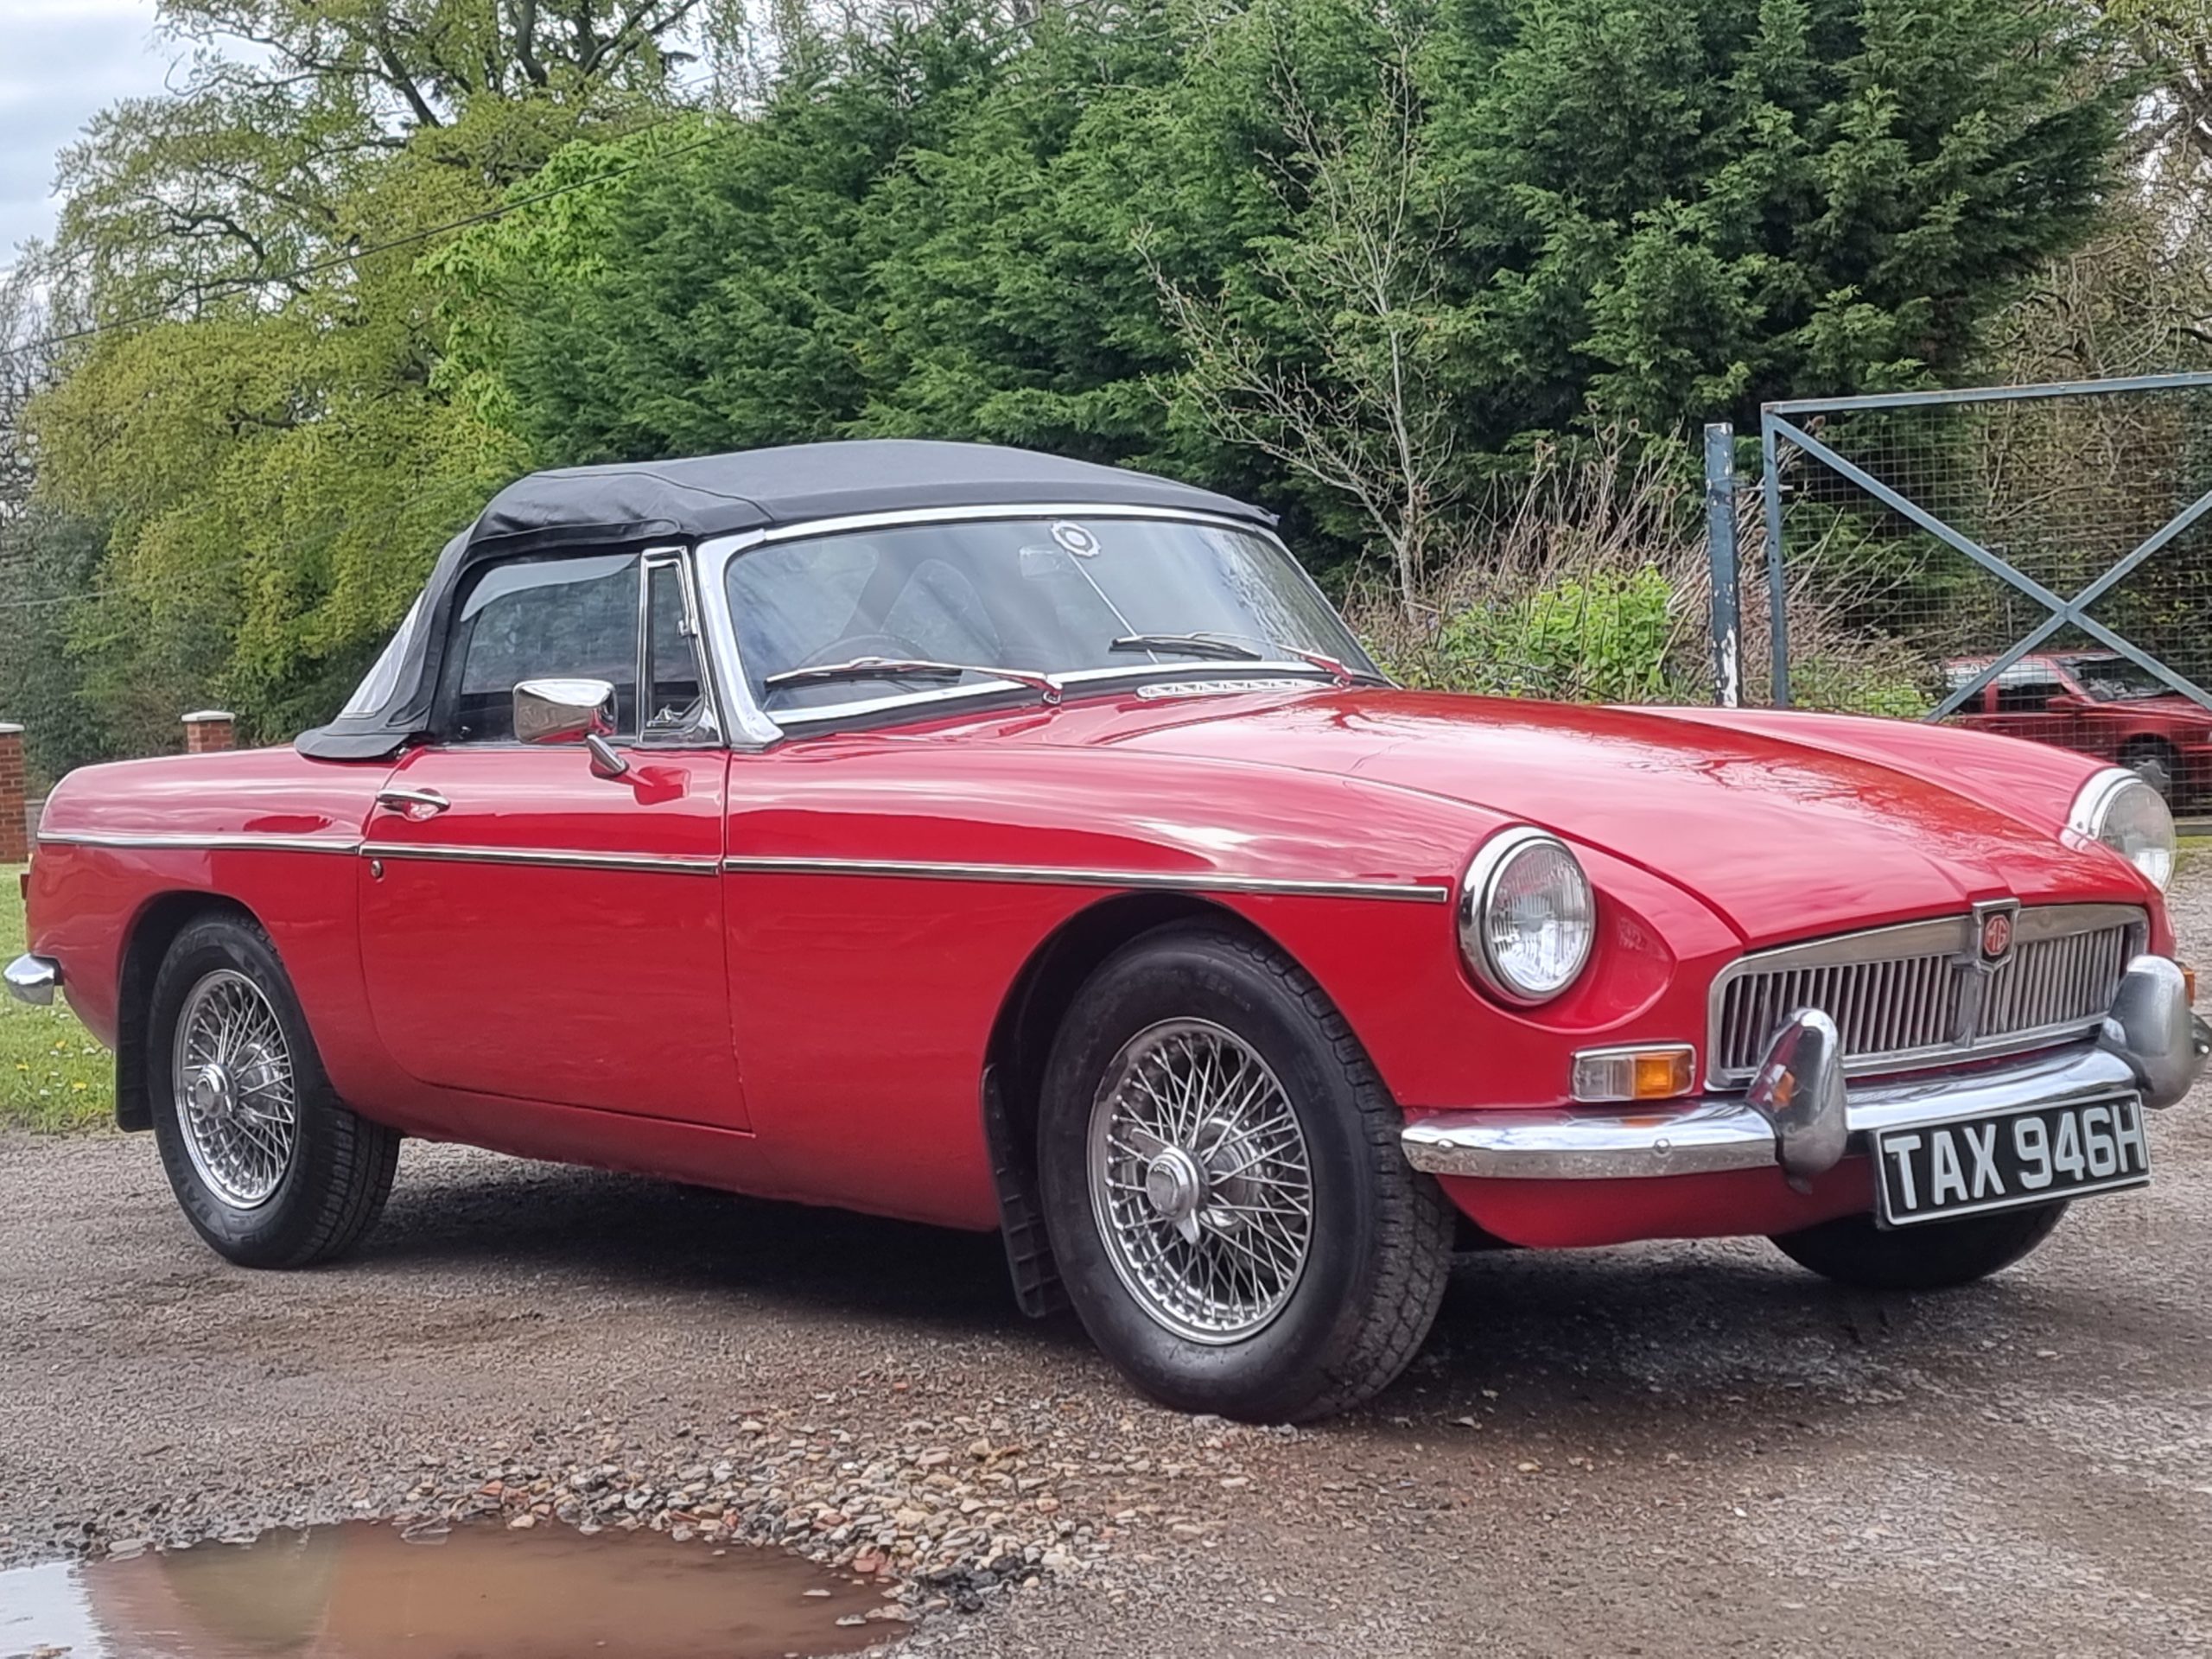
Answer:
(1721, 1333)
(511, 1216)
(1629, 1326)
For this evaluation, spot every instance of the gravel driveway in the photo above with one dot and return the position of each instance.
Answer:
(1671, 1449)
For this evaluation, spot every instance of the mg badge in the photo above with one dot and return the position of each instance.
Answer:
(1996, 923)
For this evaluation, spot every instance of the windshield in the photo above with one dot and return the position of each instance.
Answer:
(1058, 596)
(2116, 679)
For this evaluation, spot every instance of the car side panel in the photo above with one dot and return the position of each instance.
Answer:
(86, 900)
(864, 1003)
(863, 1009)
(492, 971)
(285, 831)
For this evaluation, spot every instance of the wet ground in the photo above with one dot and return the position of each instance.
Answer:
(362, 1590)
(1675, 1449)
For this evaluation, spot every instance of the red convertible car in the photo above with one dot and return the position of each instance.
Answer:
(1009, 843)
(2102, 704)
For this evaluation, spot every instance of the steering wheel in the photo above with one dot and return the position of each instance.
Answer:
(863, 644)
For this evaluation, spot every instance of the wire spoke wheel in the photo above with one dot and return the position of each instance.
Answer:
(236, 1100)
(1201, 1181)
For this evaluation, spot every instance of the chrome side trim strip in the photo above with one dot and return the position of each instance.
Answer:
(559, 858)
(219, 843)
(1417, 892)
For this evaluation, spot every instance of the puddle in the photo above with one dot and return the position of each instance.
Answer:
(362, 1590)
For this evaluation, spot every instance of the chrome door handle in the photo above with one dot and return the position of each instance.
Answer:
(417, 803)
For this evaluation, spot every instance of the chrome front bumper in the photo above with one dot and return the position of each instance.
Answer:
(32, 979)
(1800, 1114)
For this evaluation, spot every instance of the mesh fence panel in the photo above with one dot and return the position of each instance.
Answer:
(1886, 617)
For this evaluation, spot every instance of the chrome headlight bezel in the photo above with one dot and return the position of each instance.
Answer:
(2111, 792)
(1493, 860)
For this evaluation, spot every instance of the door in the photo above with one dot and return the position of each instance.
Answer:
(532, 927)
(2030, 700)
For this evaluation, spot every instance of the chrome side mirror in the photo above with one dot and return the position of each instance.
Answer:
(562, 711)
(569, 711)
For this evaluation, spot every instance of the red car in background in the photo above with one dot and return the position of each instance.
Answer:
(1010, 843)
(2100, 703)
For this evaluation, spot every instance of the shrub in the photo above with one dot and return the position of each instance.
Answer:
(1587, 577)
(1602, 638)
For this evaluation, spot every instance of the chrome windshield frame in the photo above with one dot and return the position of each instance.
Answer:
(751, 726)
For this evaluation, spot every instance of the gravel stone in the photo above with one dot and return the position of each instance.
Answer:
(1673, 1448)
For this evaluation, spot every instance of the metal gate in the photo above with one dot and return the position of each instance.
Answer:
(1995, 551)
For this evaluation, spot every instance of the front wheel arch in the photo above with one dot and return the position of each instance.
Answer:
(1028, 1021)
(1377, 1236)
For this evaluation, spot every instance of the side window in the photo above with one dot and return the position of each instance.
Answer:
(536, 618)
(2026, 695)
(383, 679)
(676, 700)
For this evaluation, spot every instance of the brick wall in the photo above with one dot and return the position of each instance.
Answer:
(208, 731)
(15, 839)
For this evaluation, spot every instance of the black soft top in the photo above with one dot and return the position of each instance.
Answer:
(632, 503)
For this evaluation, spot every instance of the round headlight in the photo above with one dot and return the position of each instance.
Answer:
(2128, 815)
(1527, 916)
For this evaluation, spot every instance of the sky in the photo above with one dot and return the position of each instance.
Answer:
(62, 62)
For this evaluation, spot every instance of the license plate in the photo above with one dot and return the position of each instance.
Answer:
(2009, 1159)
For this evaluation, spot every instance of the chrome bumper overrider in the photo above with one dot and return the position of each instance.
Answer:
(32, 979)
(1799, 1113)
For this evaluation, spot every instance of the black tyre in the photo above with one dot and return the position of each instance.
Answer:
(1227, 1199)
(2154, 763)
(270, 1168)
(1935, 1256)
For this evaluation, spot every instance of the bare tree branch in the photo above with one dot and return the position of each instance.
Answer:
(1361, 276)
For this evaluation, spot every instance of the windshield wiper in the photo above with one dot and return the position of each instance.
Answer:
(1209, 644)
(910, 668)
(1189, 645)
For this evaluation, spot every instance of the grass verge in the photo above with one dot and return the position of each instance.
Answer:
(53, 1076)
(2193, 854)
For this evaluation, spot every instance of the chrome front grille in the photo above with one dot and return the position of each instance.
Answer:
(1916, 996)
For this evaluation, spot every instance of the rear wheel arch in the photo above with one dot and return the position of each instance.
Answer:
(271, 1168)
(152, 931)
